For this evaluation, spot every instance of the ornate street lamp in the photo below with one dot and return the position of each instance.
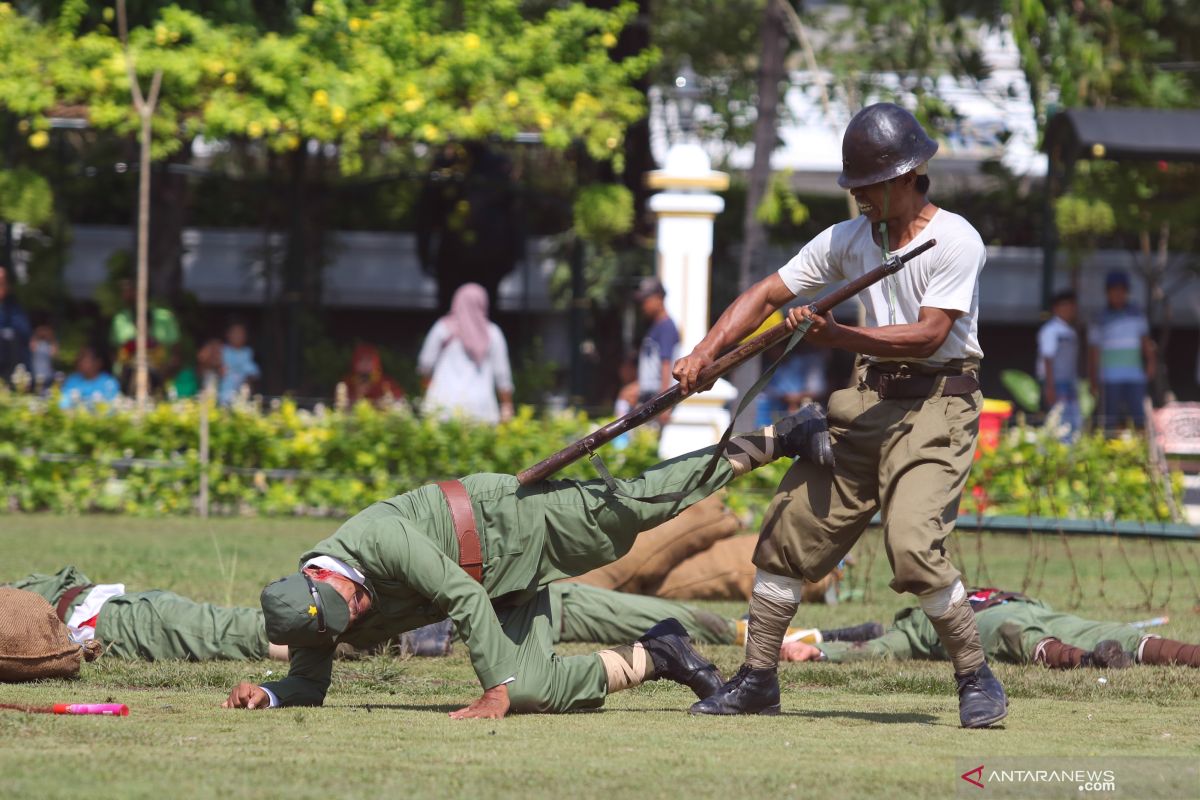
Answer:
(686, 93)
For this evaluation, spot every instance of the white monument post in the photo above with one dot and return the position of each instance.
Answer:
(686, 207)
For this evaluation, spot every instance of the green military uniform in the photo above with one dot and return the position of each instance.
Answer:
(158, 625)
(1009, 632)
(530, 536)
(585, 613)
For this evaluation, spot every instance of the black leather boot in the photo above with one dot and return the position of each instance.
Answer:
(859, 633)
(750, 691)
(675, 659)
(805, 435)
(981, 699)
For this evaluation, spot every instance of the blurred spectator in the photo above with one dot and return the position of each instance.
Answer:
(14, 331)
(465, 358)
(191, 379)
(89, 384)
(1058, 361)
(43, 348)
(238, 359)
(366, 380)
(799, 380)
(162, 340)
(660, 345)
(1122, 356)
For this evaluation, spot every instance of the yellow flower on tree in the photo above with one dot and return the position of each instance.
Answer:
(338, 115)
(511, 99)
(471, 41)
(39, 139)
(320, 98)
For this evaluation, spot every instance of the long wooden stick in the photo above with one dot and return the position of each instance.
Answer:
(672, 396)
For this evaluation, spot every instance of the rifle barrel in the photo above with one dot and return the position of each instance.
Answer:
(739, 355)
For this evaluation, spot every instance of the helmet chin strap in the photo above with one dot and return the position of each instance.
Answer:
(884, 248)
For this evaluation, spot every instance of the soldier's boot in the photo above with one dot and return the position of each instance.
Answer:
(750, 691)
(1153, 650)
(858, 633)
(803, 435)
(1055, 654)
(981, 698)
(674, 658)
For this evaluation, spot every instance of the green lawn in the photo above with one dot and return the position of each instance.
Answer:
(853, 731)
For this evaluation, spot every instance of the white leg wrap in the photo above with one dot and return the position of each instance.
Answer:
(779, 588)
(1142, 646)
(938, 604)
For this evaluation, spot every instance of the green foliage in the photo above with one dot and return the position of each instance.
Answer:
(1093, 477)
(25, 197)
(343, 461)
(350, 71)
(289, 461)
(1082, 216)
(780, 204)
(1024, 388)
(603, 211)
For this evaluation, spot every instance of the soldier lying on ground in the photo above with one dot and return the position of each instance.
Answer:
(482, 551)
(1012, 628)
(158, 625)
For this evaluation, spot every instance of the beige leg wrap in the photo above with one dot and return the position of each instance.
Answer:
(748, 451)
(626, 666)
(769, 619)
(959, 635)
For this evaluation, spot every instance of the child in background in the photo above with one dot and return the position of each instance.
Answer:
(240, 368)
(43, 347)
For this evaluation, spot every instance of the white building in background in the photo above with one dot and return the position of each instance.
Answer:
(997, 113)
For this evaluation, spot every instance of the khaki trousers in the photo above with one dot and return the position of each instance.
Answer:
(908, 458)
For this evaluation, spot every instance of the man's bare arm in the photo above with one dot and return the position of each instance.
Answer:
(744, 314)
(920, 339)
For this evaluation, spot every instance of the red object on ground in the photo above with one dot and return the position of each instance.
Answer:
(991, 420)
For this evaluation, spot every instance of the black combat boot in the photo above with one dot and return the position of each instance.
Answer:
(859, 633)
(750, 691)
(1108, 655)
(675, 659)
(433, 640)
(981, 699)
(805, 435)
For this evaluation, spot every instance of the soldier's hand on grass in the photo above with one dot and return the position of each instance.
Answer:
(800, 651)
(247, 695)
(493, 705)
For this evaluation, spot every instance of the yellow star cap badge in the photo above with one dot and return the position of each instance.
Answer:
(312, 611)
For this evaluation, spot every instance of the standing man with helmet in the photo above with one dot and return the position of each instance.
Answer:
(904, 436)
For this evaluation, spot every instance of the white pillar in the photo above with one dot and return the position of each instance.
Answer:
(686, 209)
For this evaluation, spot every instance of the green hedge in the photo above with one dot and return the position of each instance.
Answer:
(289, 461)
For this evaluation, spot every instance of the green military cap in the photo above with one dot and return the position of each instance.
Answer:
(302, 612)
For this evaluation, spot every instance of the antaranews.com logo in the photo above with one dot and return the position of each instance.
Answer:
(1078, 777)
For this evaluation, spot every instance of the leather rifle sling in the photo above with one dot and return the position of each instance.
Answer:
(470, 554)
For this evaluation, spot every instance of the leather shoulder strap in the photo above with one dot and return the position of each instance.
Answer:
(470, 553)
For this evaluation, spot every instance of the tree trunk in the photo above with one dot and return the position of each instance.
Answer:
(770, 75)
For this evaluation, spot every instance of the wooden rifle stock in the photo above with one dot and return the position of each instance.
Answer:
(740, 354)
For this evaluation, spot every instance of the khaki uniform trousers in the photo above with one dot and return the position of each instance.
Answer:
(908, 458)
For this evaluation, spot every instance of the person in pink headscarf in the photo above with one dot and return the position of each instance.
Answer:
(465, 360)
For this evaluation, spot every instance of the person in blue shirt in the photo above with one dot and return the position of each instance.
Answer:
(1058, 362)
(14, 331)
(89, 384)
(240, 368)
(1122, 355)
(660, 345)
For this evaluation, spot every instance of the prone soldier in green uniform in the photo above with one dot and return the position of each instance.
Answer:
(1016, 629)
(482, 551)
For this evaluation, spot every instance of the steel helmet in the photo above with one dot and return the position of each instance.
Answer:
(882, 142)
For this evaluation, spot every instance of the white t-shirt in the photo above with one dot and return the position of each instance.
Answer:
(458, 384)
(1058, 342)
(946, 277)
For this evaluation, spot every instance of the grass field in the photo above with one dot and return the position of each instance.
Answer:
(863, 730)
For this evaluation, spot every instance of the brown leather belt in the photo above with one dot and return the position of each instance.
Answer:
(64, 602)
(908, 386)
(470, 554)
